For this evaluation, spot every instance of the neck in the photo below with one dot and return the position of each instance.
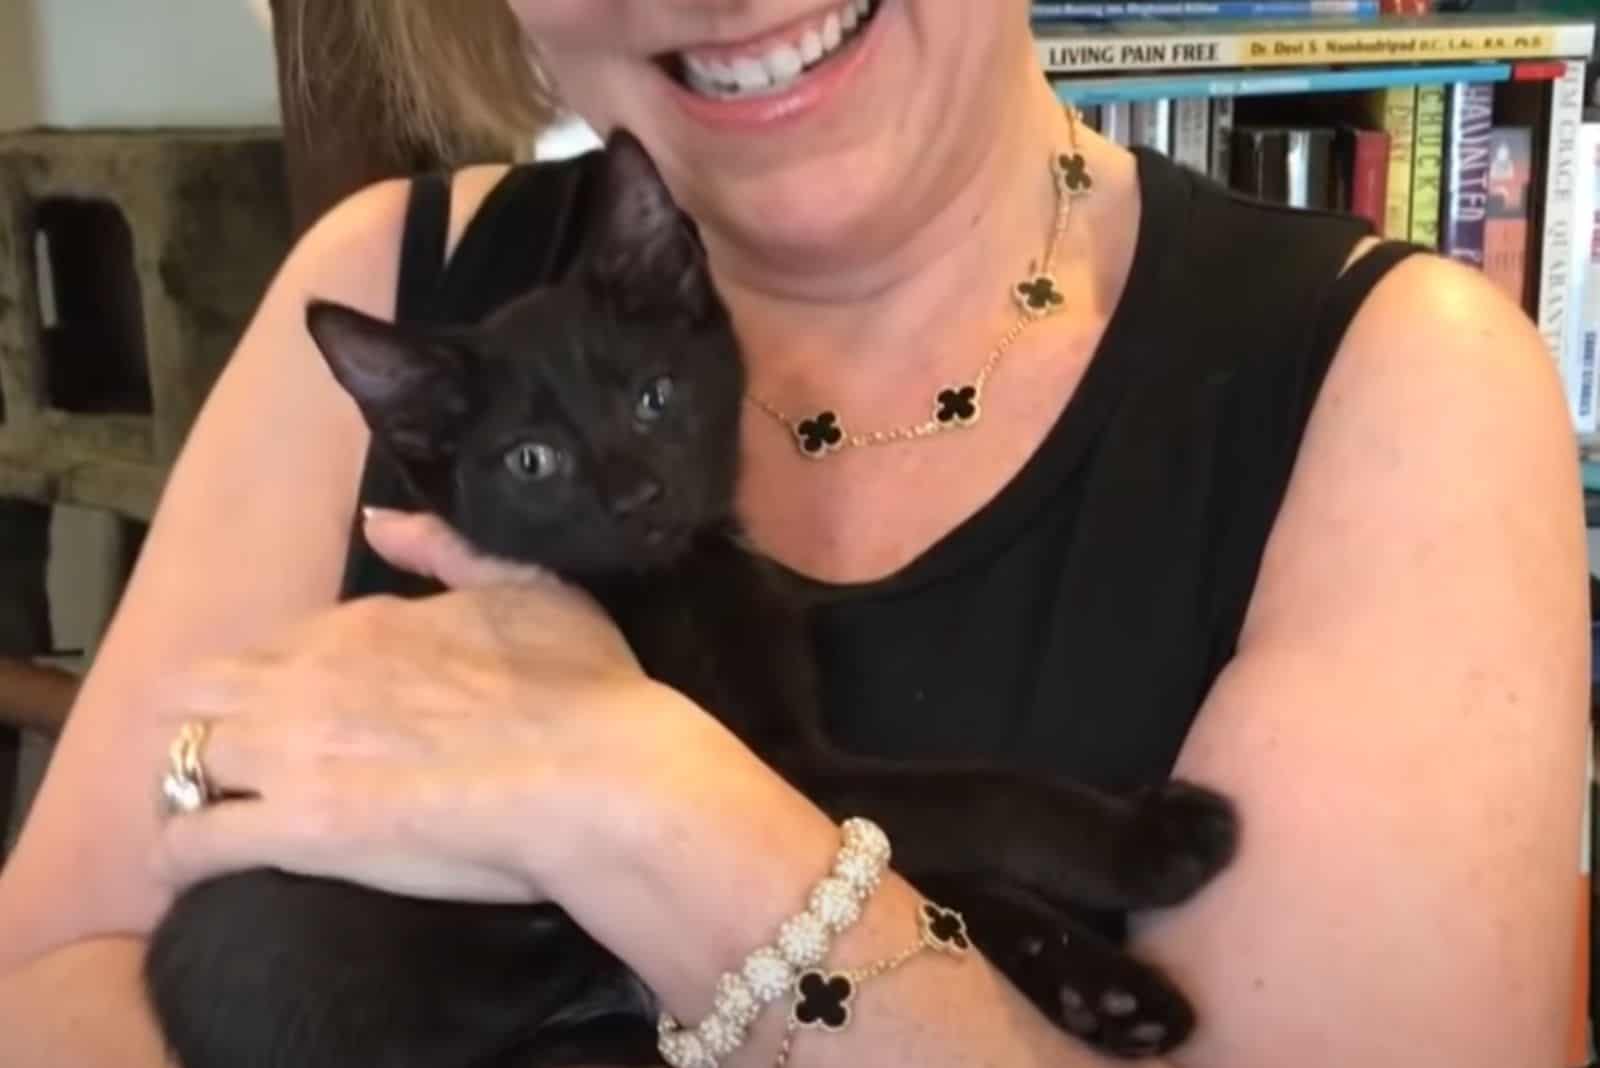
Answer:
(929, 287)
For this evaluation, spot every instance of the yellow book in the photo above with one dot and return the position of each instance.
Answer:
(1394, 111)
(1427, 165)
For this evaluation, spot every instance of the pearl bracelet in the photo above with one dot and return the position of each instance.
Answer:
(772, 971)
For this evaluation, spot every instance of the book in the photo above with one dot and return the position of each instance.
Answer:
(1505, 226)
(1143, 45)
(1309, 159)
(1556, 224)
(1394, 111)
(1089, 91)
(1362, 165)
(1221, 165)
(1427, 165)
(1469, 118)
(1191, 132)
(1261, 163)
(1285, 165)
(1152, 125)
(1585, 344)
(1116, 121)
(1092, 10)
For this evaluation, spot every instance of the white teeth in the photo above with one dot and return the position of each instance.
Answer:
(780, 65)
(784, 64)
(750, 74)
(696, 69)
(811, 47)
(831, 32)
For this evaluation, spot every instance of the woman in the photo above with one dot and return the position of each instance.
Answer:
(1213, 521)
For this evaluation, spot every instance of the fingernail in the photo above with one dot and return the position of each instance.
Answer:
(369, 513)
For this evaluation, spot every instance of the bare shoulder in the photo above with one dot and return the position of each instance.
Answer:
(268, 475)
(1405, 720)
(352, 252)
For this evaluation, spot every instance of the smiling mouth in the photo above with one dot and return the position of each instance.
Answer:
(776, 63)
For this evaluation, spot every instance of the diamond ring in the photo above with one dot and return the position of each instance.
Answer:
(184, 788)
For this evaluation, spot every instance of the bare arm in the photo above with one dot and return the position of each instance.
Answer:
(1403, 729)
(250, 534)
(1405, 724)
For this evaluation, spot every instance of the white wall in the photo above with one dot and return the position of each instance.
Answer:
(137, 63)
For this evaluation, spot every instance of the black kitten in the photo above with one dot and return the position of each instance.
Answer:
(592, 427)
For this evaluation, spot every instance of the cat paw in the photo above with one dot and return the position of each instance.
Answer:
(1180, 837)
(1105, 999)
(1090, 986)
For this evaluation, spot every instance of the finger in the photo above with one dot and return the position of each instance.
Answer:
(426, 545)
(235, 759)
(233, 836)
(220, 838)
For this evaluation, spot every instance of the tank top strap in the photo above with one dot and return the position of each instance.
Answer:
(1282, 393)
(422, 244)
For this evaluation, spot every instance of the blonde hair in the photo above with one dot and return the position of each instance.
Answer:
(454, 75)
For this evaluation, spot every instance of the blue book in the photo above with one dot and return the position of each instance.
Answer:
(1046, 11)
(1086, 92)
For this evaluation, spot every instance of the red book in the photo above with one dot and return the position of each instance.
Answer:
(1406, 7)
(1369, 175)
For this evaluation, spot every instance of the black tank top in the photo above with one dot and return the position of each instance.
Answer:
(1075, 623)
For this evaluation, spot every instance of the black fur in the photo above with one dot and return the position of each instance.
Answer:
(593, 427)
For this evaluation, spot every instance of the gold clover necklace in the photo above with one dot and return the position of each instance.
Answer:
(958, 407)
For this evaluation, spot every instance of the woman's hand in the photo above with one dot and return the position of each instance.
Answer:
(469, 745)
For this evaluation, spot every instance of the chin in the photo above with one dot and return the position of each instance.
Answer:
(828, 163)
(812, 208)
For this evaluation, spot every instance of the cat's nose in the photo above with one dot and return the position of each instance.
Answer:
(639, 494)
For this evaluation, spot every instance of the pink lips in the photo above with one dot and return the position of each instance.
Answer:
(810, 92)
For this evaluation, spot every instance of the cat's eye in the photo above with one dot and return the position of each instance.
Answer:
(653, 399)
(534, 461)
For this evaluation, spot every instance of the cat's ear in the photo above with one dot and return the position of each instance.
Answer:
(644, 251)
(412, 389)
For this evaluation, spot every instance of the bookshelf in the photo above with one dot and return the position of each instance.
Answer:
(1278, 107)
(1475, 134)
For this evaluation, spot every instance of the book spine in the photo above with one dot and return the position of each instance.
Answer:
(1505, 230)
(1261, 163)
(1131, 47)
(1116, 122)
(1586, 238)
(1087, 91)
(1398, 118)
(1191, 124)
(1466, 198)
(1152, 125)
(1221, 165)
(1558, 255)
(1308, 166)
(1427, 165)
(1091, 11)
(1369, 177)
